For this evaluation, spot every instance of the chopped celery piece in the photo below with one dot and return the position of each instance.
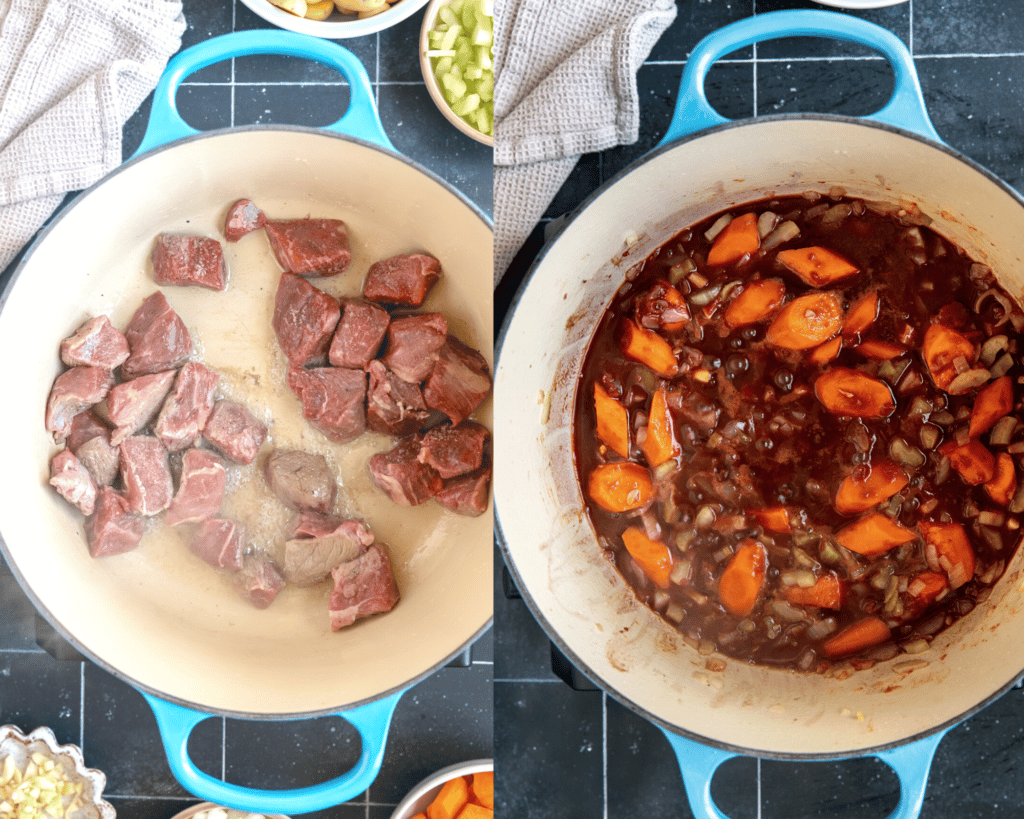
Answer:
(453, 85)
(466, 105)
(473, 72)
(463, 53)
(483, 58)
(450, 36)
(460, 49)
(482, 37)
(447, 15)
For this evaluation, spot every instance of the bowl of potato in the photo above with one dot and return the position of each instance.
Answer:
(334, 19)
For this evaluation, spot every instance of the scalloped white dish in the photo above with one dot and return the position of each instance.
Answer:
(337, 26)
(859, 4)
(211, 811)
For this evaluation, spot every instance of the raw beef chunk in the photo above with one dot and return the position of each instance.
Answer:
(402, 279)
(402, 477)
(459, 383)
(73, 391)
(101, 459)
(220, 543)
(233, 431)
(132, 404)
(359, 335)
(146, 474)
(413, 345)
(157, 337)
(309, 247)
(185, 260)
(200, 489)
(304, 319)
(301, 480)
(84, 426)
(72, 480)
(184, 413)
(308, 524)
(258, 581)
(97, 343)
(393, 406)
(113, 528)
(333, 400)
(309, 560)
(454, 450)
(363, 586)
(466, 495)
(243, 218)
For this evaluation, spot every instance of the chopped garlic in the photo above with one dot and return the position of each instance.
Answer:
(43, 789)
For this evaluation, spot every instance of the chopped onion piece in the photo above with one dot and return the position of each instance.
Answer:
(720, 224)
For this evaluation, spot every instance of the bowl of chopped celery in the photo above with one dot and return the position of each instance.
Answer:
(334, 19)
(457, 58)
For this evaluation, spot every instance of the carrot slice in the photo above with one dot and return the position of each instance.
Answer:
(620, 487)
(775, 518)
(826, 593)
(856, 637)
(482, 788)
(664, 306)
(612, 421)
(738, 239)
(845, 391)
(652, 556)
(1003, 485)
(927, 586)
(756, 302)
(942, 346)
(954, 550)
(743, 578)
(648, 348)
(864, 488)
(817, 266)
(660, 443)
(874, 534)
(826, 353)
(880, 350)
(973, 461)
(454, 794)
(861, 315)
(806, 322)
(992, 403)
(472, 811)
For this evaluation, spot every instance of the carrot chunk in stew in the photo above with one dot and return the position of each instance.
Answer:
(993, 402)
(972, 460)
(955, 555)
(659, 444)
(662, 307)
(806, 322)
(648, 348)
(861, 315)
(881, 350)
(743, 578)
(825, 593)
(927, 586)
(1003, 484)
(612, 421)
(817, 266)
(738, 239)
(620, 487)
(845, 391)
(863, 634)
(826, 353)
(775, 518)
(869, 485)
(755, 303)
(943, 348)
(874, 534)
(653, 557)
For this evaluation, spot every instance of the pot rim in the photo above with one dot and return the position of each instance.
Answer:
(18, 267)
(499, 532)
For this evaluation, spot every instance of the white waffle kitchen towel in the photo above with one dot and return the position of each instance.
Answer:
(566, 85)
(71, 73)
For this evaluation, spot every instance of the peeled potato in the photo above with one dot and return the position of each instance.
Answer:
(357, 6)
(320, 10)
(374, 12)
(297, 7)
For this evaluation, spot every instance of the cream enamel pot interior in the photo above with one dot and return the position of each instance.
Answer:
(157, 617)
(708, 164)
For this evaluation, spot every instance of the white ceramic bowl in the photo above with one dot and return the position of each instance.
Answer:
(431, 81)
(188, 813)
(337, 26)
(418, 798)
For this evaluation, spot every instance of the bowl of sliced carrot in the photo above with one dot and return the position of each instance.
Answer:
(462, 791)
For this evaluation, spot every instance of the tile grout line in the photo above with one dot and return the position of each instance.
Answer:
(81, 707)
(847, 57)
(234, 21)
(604, 750)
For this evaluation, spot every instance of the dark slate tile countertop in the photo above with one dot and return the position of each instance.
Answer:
(445, 719)
(581, 754)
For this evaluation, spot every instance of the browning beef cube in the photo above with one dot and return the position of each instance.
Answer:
(459, 383)
(402, 279)
(468, 494)
(363, 586)
(413, 345)
(307, 524)
(74, 390)
(86, 425)
(157, 337)
(243, 218)
(304, 319)
(259, 580)
(401, 476)
(309, 560)
(97, 343)
(393, 406)
(113, 528)
(220, 542)
(132, 404)
(309, 247)
(333, 400)
(200, 488)
(234, 432)
(185, 260)
(359, 335)
(454, 450)
(72, 481)
(301, 480)
(146, 474)
(101, 459)
(185, 411)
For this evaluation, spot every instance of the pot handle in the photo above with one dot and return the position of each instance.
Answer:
(371, 721)
(359, 120)
(698, 764)
(905, 108)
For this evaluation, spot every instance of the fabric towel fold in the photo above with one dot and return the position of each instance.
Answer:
(71, 74)
(566, 86)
